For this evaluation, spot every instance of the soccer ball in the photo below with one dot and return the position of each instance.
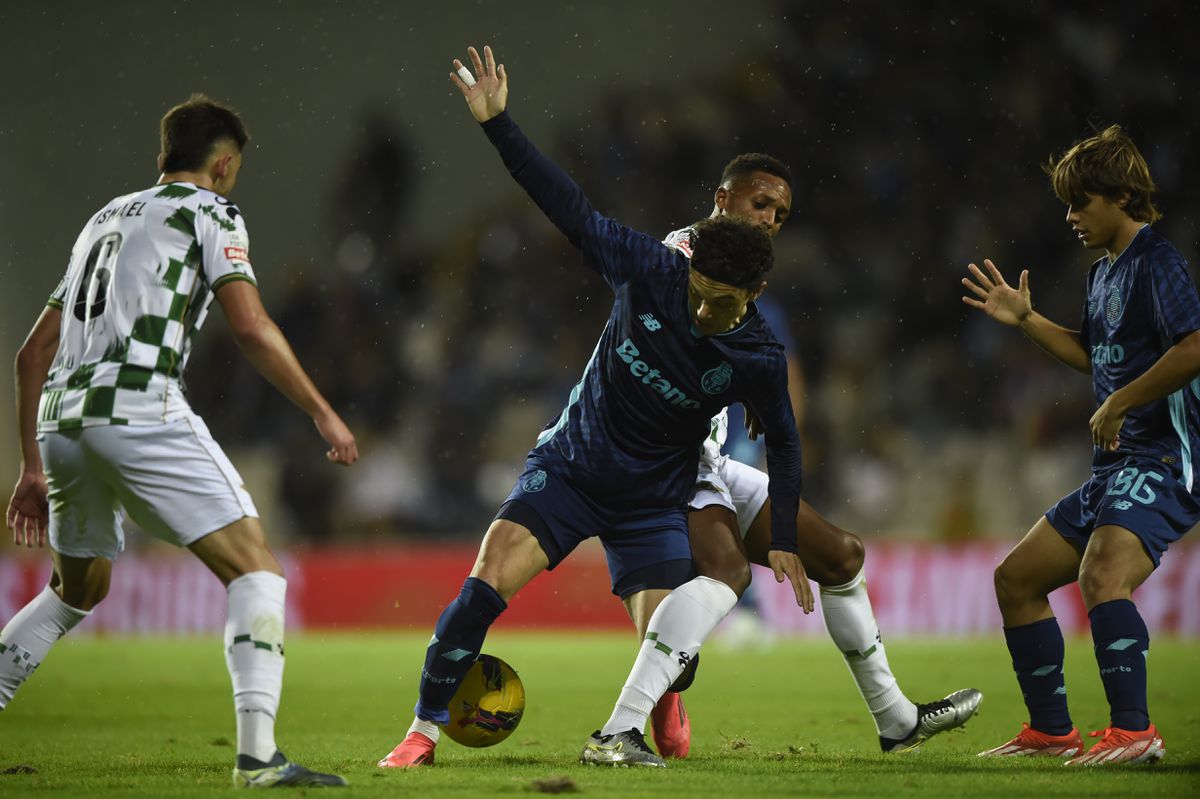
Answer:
(488, 705)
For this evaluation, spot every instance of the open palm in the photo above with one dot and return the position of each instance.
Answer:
(995, 297)
(488, 96)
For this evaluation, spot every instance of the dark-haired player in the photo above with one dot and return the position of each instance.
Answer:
(1140, 342)
(682, 341)
(730, 525)
(104, 423)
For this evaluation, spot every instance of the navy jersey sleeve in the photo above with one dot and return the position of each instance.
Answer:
(1176, 306)
(611, 248)
(770, 402)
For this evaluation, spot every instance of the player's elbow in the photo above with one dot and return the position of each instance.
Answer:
(252, 330)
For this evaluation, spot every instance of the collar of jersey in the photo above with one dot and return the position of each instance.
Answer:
(1129, 248)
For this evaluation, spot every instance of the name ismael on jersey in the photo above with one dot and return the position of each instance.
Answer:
(653, 377)
(128, 209)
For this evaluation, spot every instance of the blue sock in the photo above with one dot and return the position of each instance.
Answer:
(456, 644)
(1122, 642)
(1037, 658)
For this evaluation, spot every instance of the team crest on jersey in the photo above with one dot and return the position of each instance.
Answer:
(1112, 309)
(534, 482)
(717, 379)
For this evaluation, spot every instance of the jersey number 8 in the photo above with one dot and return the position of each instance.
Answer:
(97, 275)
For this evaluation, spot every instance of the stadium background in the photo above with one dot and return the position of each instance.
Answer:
(447, 320)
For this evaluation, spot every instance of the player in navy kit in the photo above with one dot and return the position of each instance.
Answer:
(683, 340)
(1140, 342)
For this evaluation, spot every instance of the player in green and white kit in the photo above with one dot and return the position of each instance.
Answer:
(105, 426)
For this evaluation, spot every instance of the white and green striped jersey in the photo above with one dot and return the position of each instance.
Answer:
(137, 289)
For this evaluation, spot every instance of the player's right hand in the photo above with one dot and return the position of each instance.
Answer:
(29, 510)
(488, 97)
(343, 448)
(787, 566)
(995, 297)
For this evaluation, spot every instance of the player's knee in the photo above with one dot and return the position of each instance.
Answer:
(734, 572)
(1008, 583)
(85, 594)
(853, 555)
(1101, 582)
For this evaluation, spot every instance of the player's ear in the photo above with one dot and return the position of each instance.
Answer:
(721, 197)
(220, 167)
(754, 295)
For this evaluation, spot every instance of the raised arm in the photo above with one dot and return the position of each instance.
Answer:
(607, 243)
(28, 510)
(1014, 308)
(264, 345)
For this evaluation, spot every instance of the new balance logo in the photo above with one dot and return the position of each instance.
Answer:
(650, 322)
(1121, 504)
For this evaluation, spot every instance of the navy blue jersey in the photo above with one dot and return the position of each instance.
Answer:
(632, 429)
(1138, 307)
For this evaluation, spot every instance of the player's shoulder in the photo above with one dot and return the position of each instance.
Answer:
(680, 241)
(1156, 250)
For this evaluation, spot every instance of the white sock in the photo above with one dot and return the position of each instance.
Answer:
(254, 654)
(27, 638)
(851, 624)
(426, 728)
(673, 637)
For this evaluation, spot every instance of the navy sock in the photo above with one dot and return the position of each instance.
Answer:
(456, 644)
(1122, 642)
(1037, 658)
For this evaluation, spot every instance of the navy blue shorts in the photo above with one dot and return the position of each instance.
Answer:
(645, 549)
(1142, 495)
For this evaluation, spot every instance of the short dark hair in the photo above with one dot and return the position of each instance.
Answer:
(731, 251)
(1108, 165)
(191, 130)
(746, 163)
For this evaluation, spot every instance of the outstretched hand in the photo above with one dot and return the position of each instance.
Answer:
(995, 297)
(486, 92)
(787, 566)
(29, 511)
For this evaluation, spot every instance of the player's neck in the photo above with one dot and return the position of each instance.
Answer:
(199, 179)
(1124, 236)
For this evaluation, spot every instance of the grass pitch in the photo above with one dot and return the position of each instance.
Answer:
(152, 717)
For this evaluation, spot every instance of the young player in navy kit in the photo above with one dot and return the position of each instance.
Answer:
(1140, 342)
(683, 341)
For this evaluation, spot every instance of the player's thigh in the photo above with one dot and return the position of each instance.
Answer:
(1114, 564)
(173, 479)
(236, 549)
(84, 510)
(716, 545)
(831, 556)
(509, 557)
(641, 606)
(1040, 563)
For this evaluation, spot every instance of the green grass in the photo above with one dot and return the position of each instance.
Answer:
(152, 717)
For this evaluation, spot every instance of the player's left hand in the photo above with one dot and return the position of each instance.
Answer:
(29, 510)
(1106, 424)
(787, 565)
(486, 92)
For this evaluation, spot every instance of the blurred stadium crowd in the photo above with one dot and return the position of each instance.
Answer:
(921, 418)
